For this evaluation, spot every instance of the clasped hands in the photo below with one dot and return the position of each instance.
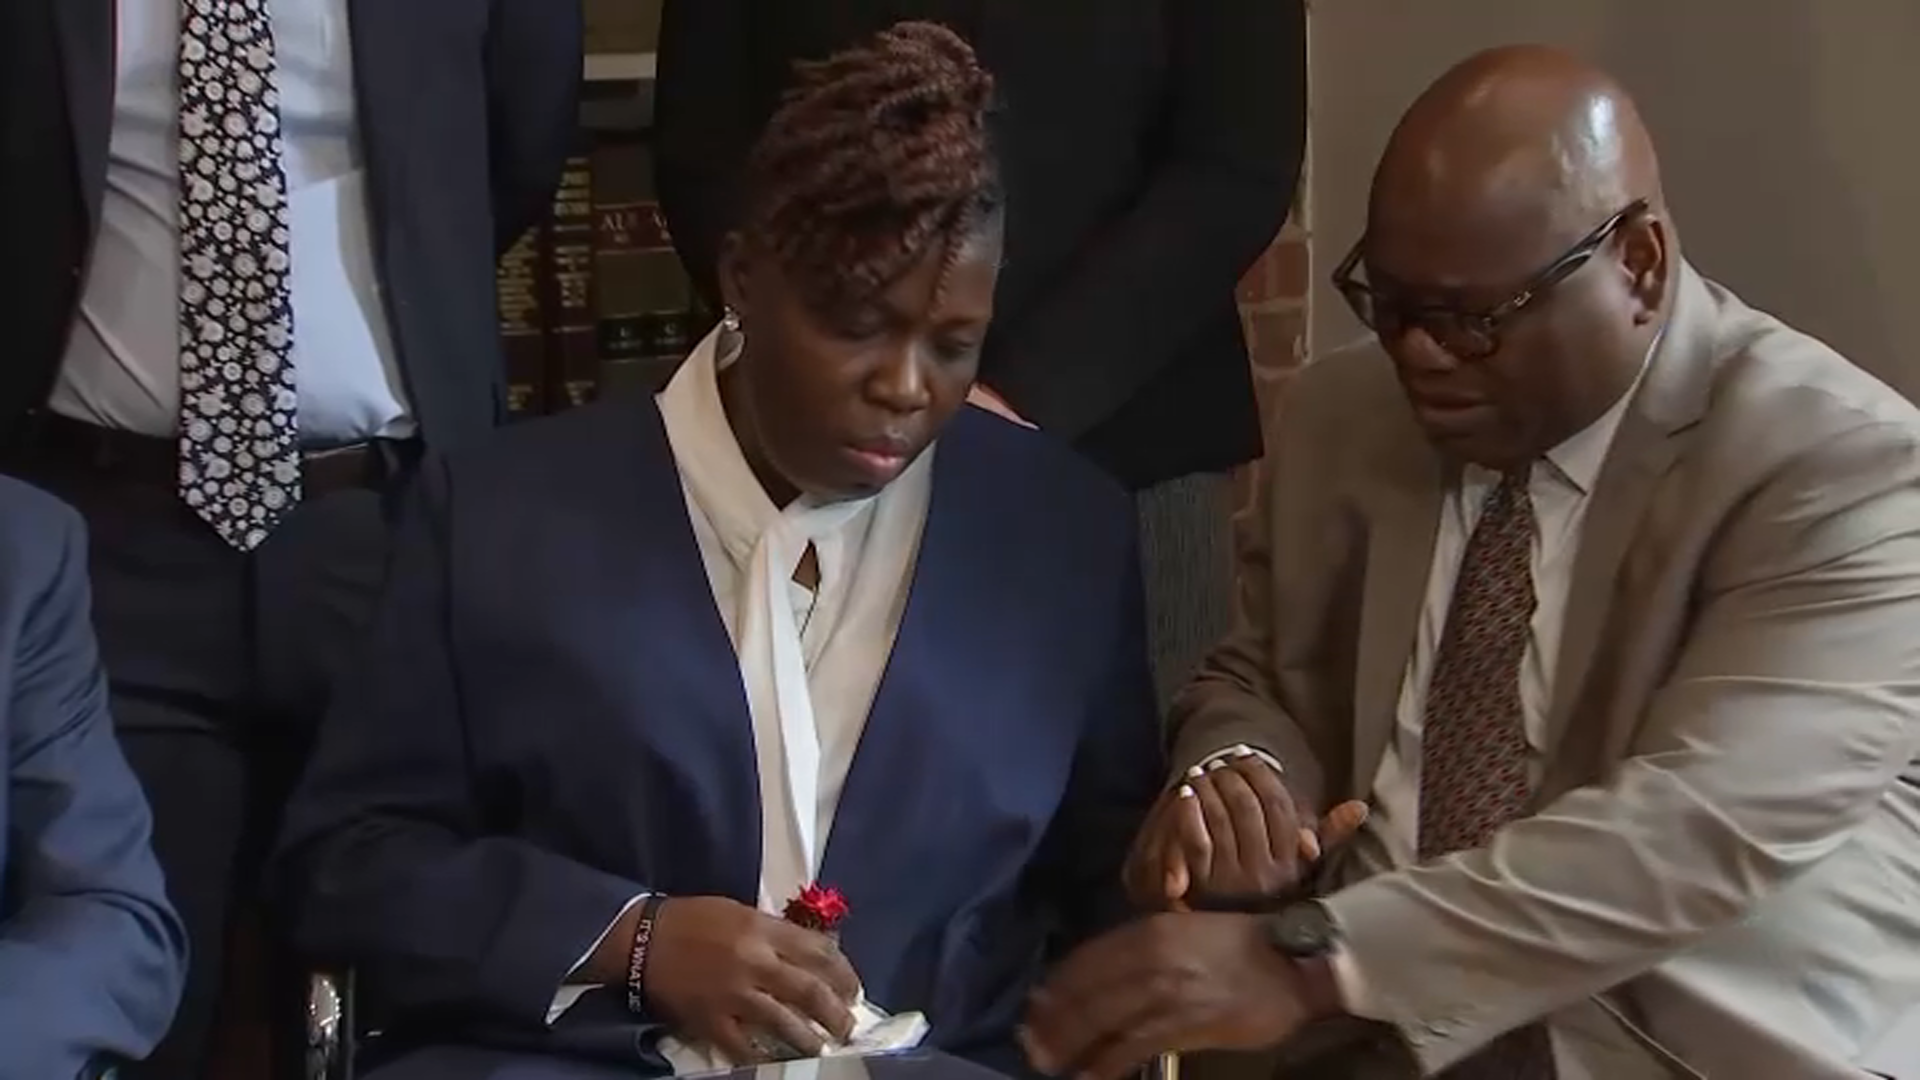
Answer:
(1188, 978)
(1198, 974)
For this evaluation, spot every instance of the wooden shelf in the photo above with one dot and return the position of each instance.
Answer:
(621, 67)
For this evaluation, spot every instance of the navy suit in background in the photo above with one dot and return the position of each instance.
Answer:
(553, 720)
(91, 954)
(459, 114)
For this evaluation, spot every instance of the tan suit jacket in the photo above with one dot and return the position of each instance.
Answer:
(1720, 874)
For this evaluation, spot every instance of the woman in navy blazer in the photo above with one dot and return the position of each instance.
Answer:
(646, 669)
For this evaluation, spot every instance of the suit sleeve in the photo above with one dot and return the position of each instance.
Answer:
(92, 956)
(534, 58)
(1244, 692)
(1118, 770)
(1139, 293)
(703, 128)
(392, 858)
(1792, 712)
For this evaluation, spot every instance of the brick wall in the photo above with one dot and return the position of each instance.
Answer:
(1273, 301)
(1273, 308)
(1273, 305)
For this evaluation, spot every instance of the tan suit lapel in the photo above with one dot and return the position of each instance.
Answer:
(1403, 515)
(1671, 398)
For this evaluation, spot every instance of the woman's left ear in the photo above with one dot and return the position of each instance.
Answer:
(733, 269)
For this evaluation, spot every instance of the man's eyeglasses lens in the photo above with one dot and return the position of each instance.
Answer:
(1464, 335)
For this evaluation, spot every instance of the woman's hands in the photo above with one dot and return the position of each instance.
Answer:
(722, 972)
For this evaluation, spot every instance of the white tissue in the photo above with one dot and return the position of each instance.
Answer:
(874, 1032)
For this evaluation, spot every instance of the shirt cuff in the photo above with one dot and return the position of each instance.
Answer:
(1351, 984)
(566, 996)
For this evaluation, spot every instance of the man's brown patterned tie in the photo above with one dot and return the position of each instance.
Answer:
(1474, 755)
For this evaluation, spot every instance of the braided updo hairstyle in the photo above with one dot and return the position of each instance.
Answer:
(878, 155)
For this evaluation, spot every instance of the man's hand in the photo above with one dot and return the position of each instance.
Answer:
(720, 971)
(1231, 834)
(985, 398)
(1169, 983)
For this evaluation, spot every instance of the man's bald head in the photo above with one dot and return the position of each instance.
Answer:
(1517, 262)
(1519, 136)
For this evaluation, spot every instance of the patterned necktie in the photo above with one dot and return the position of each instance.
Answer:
(1473, 768)
(239, 448)
(1474, 754)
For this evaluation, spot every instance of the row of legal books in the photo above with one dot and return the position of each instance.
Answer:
(595, 299)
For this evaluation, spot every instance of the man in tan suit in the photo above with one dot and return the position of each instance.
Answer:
(1602, 591)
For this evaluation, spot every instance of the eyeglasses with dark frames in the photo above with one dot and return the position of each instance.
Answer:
(1468, 335)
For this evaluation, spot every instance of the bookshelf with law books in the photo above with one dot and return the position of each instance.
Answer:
(594, 298)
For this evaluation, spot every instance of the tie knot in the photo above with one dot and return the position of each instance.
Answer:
(1511, 499)
(1513, 488)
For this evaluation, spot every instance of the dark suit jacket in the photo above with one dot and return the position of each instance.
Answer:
(1150, 148)
(553, 721)
(91, 954)
(465, 109)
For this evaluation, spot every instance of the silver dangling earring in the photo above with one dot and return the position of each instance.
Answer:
(730, 319)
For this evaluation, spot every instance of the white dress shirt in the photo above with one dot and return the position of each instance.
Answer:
(121, 368)
(844, 627)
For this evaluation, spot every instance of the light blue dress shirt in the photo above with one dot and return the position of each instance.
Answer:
(121, 368)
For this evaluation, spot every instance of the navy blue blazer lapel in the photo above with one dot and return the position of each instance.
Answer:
(926, 701)
(709, 830)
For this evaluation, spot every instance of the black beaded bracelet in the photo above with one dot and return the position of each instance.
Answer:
(637, 960)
